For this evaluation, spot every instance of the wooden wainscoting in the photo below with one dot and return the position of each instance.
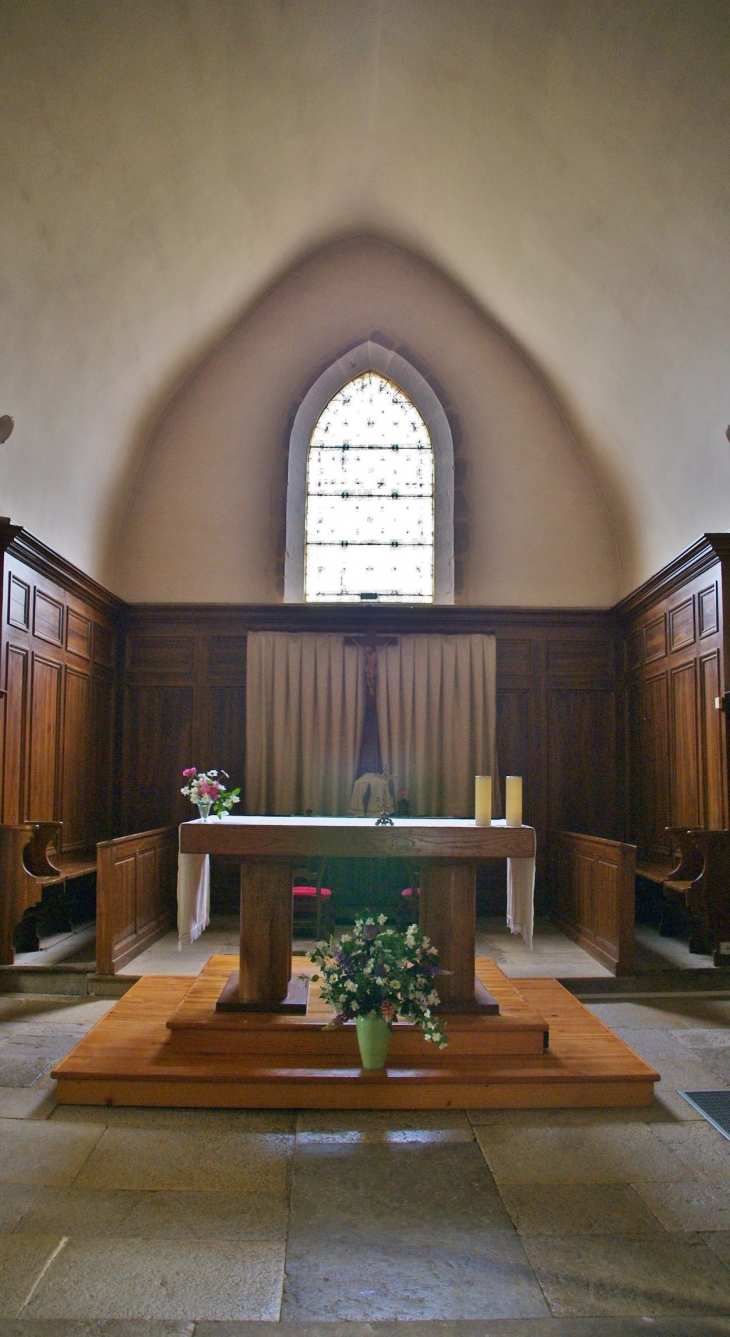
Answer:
(135, 895)
(676, 671)
(593, 884)
(59, 671)
(559, 711)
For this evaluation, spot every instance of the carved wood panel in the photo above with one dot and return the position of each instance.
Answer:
(678, 764)
(45, 707)
(57, 759)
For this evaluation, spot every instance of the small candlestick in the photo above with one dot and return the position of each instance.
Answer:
(483, 800)
(514, 800)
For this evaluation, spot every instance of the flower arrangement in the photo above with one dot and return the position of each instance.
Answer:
(381, 972)
(206, 790)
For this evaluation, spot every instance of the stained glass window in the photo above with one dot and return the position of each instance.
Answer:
(370, 486)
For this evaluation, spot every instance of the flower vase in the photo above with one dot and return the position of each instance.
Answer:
(373, 1037)
(204, 807)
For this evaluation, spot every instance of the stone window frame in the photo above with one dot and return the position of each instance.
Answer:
(371, 356)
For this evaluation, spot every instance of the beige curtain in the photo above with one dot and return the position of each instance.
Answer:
(304, 712)
(436, 716)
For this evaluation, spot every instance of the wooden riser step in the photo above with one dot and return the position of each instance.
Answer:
(196, 1028)
(128, 1058)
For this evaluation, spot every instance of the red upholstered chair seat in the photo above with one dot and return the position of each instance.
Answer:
(310, 891)
(407, 891)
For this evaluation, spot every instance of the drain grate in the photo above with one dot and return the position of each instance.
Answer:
(714, 1106)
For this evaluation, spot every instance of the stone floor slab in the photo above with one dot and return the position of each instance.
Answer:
(578, 1209)
(26, 1102)
(407, 1191)
(510, 1327)
(704, 1151)
(696, 1205)
(611, 1276)
(593, 1154)
(166, 1158)
(134, 1116)
(130, 1214)
(397, 1281)
(21, 1265)
(152, 1279)
(15, 1199)
(40, 1152)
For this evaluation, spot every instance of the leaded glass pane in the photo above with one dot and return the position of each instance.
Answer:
(369, 524)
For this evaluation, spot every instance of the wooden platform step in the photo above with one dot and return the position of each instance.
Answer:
(196, 1028)
(129, 1058)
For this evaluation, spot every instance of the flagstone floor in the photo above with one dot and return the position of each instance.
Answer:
(553, 954)
(134, 1222)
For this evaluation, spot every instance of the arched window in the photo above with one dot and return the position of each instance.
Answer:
(370, 492)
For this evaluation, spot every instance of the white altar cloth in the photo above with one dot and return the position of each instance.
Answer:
(193, 891)
(193, 897)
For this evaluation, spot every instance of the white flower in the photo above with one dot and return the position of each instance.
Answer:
(351, 986)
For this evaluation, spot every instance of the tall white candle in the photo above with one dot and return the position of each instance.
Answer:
(483, 800)
(514, 800)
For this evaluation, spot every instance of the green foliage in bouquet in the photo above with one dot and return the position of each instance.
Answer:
(381, 972)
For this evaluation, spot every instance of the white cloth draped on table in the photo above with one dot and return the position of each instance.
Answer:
(437, 716)
(193, 897)
(305, 703)
(521, 897)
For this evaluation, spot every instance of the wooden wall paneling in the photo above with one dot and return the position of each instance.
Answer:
(45, 714)
(678, 771)
(653, 775)
(77, 787)
(594, 882)
(157, 746)
(16, 729)
(581, 726)
(135, 894)
(103, 714)
(686, 805)
(712, 738)
(55, 620)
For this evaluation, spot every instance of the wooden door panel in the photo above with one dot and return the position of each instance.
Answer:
(147, 909)
(102, 725)
(44, 739)
(16, 708)
(654, 767)
(582, 761)
(686, 802)
(124, 898)
(77, 793)
(712, 726)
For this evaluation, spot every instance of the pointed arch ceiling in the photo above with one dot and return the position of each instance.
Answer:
(563, 165)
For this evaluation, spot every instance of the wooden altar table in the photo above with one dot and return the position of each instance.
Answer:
(447, 851)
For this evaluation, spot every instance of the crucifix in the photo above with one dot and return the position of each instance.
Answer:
(370, 760)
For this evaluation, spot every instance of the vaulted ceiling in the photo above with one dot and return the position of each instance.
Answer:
(564, 166)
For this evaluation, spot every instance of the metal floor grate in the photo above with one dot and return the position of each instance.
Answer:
(713, 1106)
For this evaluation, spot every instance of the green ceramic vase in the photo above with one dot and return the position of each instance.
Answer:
(373, 1037)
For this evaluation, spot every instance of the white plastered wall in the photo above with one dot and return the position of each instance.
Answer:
(164, 164)
(214, 471)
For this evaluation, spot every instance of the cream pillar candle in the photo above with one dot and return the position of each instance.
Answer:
(514, 800)
(483, 800)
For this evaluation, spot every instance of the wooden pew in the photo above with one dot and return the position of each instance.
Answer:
(701, 880)
(26, 870)
(135, 887)
(136, 900)
(594, 885)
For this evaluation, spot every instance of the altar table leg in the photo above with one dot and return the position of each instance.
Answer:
(448, 918)
(264, 983)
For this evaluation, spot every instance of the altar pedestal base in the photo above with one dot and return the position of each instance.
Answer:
(165, 1044)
